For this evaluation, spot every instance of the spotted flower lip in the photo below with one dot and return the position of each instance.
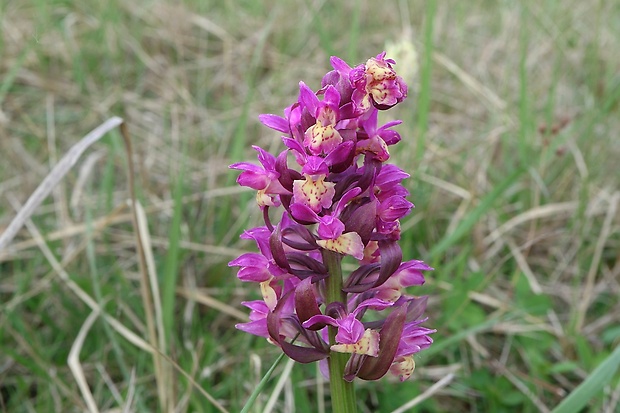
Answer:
(336, 197)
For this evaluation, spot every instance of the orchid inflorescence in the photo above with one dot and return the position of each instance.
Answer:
(341, 199)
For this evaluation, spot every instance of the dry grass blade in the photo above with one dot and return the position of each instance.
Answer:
(284, 377)
(148, 288)
(209, 301)
(53, 178)
(428, 393)
(74, 362)
(166, 379)
(471, 83)
(525, 267)
(522, 387)
(588, 290)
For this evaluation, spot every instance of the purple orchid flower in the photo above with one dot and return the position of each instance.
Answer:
(337, 197)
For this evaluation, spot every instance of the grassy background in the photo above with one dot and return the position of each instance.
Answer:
(510, 135)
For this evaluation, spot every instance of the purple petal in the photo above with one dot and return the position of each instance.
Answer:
(375, 367)
(319, 321)
(253, 180)
(339, 65)
(274, 122)
(303, 213)
(265, 158)
(306, 304)
(294, 145)
(344, 200)
(257, 328)
(350, 330)
(248, 259)
(389, 136)
(308, 98)
(315, 165)
(332, 97)
(330, 227)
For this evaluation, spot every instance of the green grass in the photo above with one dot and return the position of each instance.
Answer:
(509, 133)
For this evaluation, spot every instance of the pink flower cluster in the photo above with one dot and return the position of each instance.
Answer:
(340, 199)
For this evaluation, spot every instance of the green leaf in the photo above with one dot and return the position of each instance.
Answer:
(261, 385)
(591, 386)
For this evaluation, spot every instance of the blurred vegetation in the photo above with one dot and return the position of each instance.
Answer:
(509, 133)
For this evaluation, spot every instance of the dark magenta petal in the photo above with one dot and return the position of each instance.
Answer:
(294, 145)
(330, 78)
(391, 257)
(299, 238)
(355, 362)
(274, 122)
(341, 158)
(254, 274)
(375, 367)
(249, 259)
(361, 219)
(286, 175)
(340, 154)
(277, 249)
(308, 262)
(355, 283)
(416, 308)
(297, 353)
(306, 304)
(246, 166)
(303, 354)
(370, 124)
(389, 176)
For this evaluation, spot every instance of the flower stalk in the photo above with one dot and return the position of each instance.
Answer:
(342, 391)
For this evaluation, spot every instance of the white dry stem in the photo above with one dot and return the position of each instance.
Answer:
(205, 299)
(522, 387)
(588, 290)
(76, 366)
(163, 371)
(131, 391)
(428, 393)
(53, 178)
(284, 377)
(544, 211)
(493, 101)
(525, 267)
(110, 383)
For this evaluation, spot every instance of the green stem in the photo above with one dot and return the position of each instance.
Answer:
(342, 391)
